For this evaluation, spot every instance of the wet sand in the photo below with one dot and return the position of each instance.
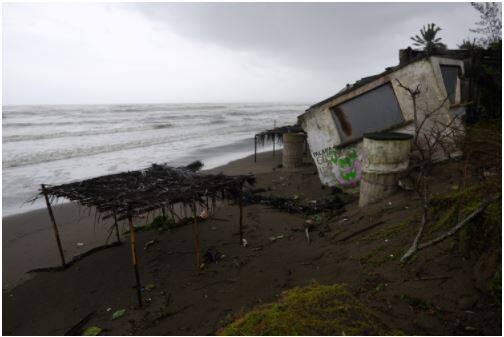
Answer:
(435, 294)
(28, 238)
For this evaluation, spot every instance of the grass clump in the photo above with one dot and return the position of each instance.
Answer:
(312, 310)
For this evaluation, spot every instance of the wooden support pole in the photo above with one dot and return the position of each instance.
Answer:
(172, 212)
(274, 138)
(196, 239)
(255, 149)
(116, 225)
(55, 227)
(134, 259)
(241, 215)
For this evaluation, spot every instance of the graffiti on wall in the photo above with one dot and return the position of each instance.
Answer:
(344, 165)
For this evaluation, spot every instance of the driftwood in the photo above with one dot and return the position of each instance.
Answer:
(75, 259)
(292, 205)
(452, 231)
(414, 245)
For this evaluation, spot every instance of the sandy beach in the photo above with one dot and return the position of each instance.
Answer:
(28, 238)
(179, 300)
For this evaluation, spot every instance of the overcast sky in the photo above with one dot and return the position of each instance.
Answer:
(168, 52)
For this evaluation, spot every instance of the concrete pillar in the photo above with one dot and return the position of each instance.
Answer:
(293, 149)
(385, 158)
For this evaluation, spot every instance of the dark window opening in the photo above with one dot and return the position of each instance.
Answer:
(374, 110)
(345, 125)
(450, 75)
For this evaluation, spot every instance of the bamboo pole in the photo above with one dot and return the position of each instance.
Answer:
(196, 238)
(117, 228)
(135, 260)
(55, 227)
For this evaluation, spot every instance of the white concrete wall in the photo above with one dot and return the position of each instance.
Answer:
(341, 166)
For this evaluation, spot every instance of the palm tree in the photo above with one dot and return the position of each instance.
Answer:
(428, 40)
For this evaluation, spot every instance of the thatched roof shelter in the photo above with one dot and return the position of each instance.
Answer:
(275, 135)
(135, 193)
(128, 194)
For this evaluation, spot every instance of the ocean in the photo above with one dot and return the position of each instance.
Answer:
(63, 143)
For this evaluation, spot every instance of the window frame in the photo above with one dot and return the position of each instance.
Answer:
(342, 123)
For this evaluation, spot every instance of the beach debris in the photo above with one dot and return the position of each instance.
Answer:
(204, 214)
(76, 330)
(212, 255)
(150, 243)
(92, 331)
(292, 205)
(310, 222)
(244, 243)
(80, 244)
(150, 286)
(118, 314)
(108, 309)
(406, 184)
(278, 237)
(307, 234)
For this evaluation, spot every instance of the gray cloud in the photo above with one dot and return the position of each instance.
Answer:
(315, 36)
(145, 52)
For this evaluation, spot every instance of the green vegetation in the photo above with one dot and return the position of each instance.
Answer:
(313, 310)
(428, 40)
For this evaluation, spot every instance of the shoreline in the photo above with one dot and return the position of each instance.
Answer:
(28, 239)
(221, 157)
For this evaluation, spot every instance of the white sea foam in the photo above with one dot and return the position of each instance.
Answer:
(59, 144)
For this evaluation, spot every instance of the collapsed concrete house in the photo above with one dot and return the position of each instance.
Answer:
(336, 125)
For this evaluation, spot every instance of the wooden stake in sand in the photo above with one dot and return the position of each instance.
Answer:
(134, 259)
(55, 227)
(196, 238)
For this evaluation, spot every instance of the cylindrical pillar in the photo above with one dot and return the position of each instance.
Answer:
(385, 157)
(293, 147)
